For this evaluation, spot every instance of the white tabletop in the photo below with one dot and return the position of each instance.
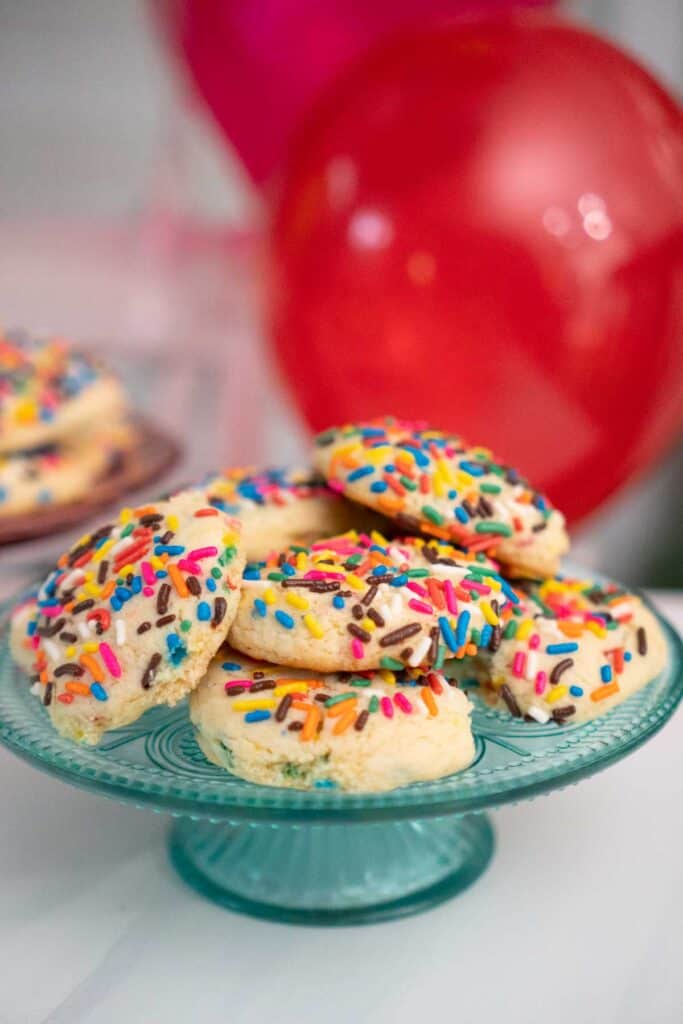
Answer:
(578, 919)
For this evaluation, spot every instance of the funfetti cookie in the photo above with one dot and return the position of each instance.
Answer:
(279, 507)
(430, 482)
(291, 727)
(571, 650)
(49, 390)
(359, 602)
(57, 474)
(133, 614)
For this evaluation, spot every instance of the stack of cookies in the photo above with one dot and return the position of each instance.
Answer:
(320, 621)
(63, 423)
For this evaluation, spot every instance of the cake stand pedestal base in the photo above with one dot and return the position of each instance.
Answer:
(332, 874)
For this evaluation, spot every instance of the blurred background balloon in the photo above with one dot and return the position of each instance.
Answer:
(482, 224)
(257, 64)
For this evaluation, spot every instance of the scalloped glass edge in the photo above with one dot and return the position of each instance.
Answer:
(458, 794)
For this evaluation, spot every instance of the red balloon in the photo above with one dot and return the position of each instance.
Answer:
(483, 226)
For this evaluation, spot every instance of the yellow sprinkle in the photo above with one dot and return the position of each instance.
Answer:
(463, 479)
(297, 686)
(156, 562)
(229, 538)
(375, 455)
(90, 647)
(378, 538)
(489, 614)
(70, 652)
(269, 596)
(439, 486)
(348, 449)
(101, 552)
(524, 629)
(313, 626)
(297, 601)
(368, 625)
(301, 561)
(255, 704)
(387, 676)
(26, 412)
(172, 522)
(125, 569)
(555, 693)
(92, 589)
(596, 628)
(125, 515)
(445, 471)
(355, 582)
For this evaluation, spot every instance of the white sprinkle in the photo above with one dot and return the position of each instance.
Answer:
(36, 690)
(538, 714)
(419, 652)
(51, 649)
(120, 627)
(72, 580)
(84, 630)
(531, 665)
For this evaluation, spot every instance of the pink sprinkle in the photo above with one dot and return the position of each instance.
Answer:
(534, 641)
(238, 682)
(519, 663)
(147, 573)
(478, 588)
(420, 606)
(35, 640)
(387, 707)
(110, 660)
(417, 589)
(198, 553)
(449, 594)
(403, 703)
(541, 679)
(51, 611)
(148, 591)
(335, 485)
(317, 574)
(357, 648)
(187, 566)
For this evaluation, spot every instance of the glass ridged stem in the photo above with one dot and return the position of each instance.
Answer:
(332, 874)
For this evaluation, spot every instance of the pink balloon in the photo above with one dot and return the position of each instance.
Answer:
(258, 64)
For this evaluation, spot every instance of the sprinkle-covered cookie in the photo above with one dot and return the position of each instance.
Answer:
(57, 474)
(361, 732)
(48, 390)
(279, 507)
(571, 650)
(433, 483)
(363, 602)
(133, 614)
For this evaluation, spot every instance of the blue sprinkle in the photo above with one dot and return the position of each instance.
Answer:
(420, 457)
(576, 691)
(358, 474)
(284, 619)
(606, 673)
(116, 604)
(627, 656)
(203, 611)
(31, 628)
(260, 607)
(172, 641)
(47, 415)
(472, 468)
(44, 497)
(211, 584)
(461, 515)
(378, 547)
(379, 570)
(452, 495)
(399, 581)
(325, 784)
(461, 631)
(288, 569)
(390, 468)
(256, 716)
(178, 650)
(123, 593)
(561, 648)
(372, 432)
(251, 573)
(507, 590)
(231, 666)
(485, 636)
(338, 601)
(136, 585)
(448, 634)
(169, 549)
(98, 691)
(161, 574)
(378, 487)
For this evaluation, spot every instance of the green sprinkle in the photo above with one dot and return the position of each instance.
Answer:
(359, 681)
(440, 657)
(409, 485)
(429, 512)
(186, 625)
(325, 438)
(417, 573)
(354, 560)
(497, 470)
(489, 527)
(490, 488)
(374, 704)
(475, 636)
(510, 630)
(391, 663)
(216, 573)
(126, 531)
(338, 700)
(277, 577)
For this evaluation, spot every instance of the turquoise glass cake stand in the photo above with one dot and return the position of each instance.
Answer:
(326, 857)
